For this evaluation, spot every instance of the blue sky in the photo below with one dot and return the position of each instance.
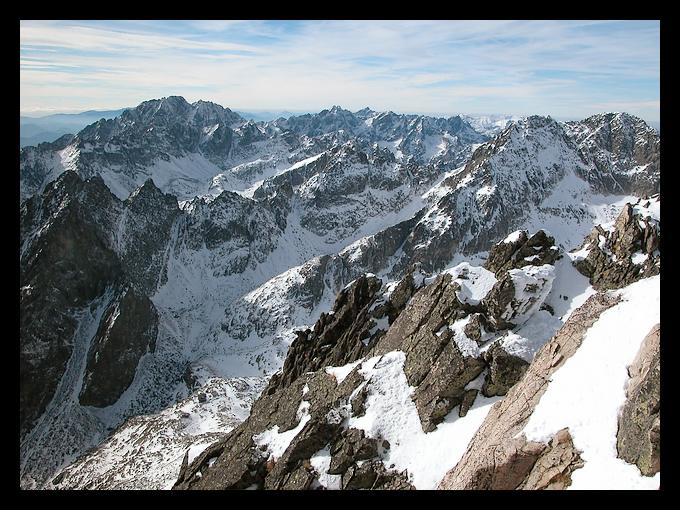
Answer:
(567, 69)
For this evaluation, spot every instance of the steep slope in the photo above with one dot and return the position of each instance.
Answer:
(366, 399)
(622, 150)
(433, 348)
(226, 300)
(203, 148)
(559, 429)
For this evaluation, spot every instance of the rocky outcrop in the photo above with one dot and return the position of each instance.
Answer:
(623, 254)
(517, 295)
(434, 365)
(504, 371)
(638, 437)
(553, 467)
(519, 250)
(498, 456)
(337, 338)
(308, 405)
(126, 332)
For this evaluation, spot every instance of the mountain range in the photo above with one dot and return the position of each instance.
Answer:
(308, 302)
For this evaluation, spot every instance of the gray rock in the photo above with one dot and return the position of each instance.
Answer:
(127, 331)
(536, 250)
(609, 264)
(505, 370)
(638, 436)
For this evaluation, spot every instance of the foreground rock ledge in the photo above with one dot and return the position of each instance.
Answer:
(638, 438)
(495, 458)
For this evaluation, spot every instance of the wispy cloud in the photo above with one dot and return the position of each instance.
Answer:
(562, 68)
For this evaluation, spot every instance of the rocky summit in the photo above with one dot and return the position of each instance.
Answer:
(340, 300)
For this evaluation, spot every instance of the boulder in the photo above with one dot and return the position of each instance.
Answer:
(519, 250)
(504, 371)
(517, 295)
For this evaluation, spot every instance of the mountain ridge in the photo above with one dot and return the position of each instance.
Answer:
(229, 299)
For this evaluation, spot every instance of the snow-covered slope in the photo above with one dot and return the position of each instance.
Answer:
(607, 350)
(203, 148)
(373, 424)
(273, 220)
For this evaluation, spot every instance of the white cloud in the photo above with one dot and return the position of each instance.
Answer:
(446, 66)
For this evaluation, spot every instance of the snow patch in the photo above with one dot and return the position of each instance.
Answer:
(587, 392)
(392, 415)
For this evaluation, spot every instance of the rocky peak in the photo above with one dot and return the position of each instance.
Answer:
(338, 337)
(622, 150)
(208, 112)
(618, 254)
(151, 196)
(364, 113)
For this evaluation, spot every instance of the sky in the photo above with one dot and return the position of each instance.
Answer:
(566, 69)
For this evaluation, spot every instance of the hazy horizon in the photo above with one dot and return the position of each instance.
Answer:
(43, 114)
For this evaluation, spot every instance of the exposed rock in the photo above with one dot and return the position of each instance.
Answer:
(498, 456)
(434, 363)
(144, 232)
(241, 463)
(127, 331)
(374, 475)
(352, 445)
(62, 271)
(337, 337)
(622, 152)
(517, 295)
(613, 256)
(468, 399)
(638, 439)
(358, 403)
(504, 371)
(476, 327)
(522, 251)
(553, 467)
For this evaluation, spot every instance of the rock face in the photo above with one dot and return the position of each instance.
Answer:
(338, 338)
(504, 371)
(497, 458)
(638, 437)
(623, 253)
(553, 467)
(519, 250)
(622, 150)
(434, 363)
(88, 264)
(127, 331)
(57, 281)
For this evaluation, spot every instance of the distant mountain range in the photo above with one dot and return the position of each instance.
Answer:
(35, 130)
